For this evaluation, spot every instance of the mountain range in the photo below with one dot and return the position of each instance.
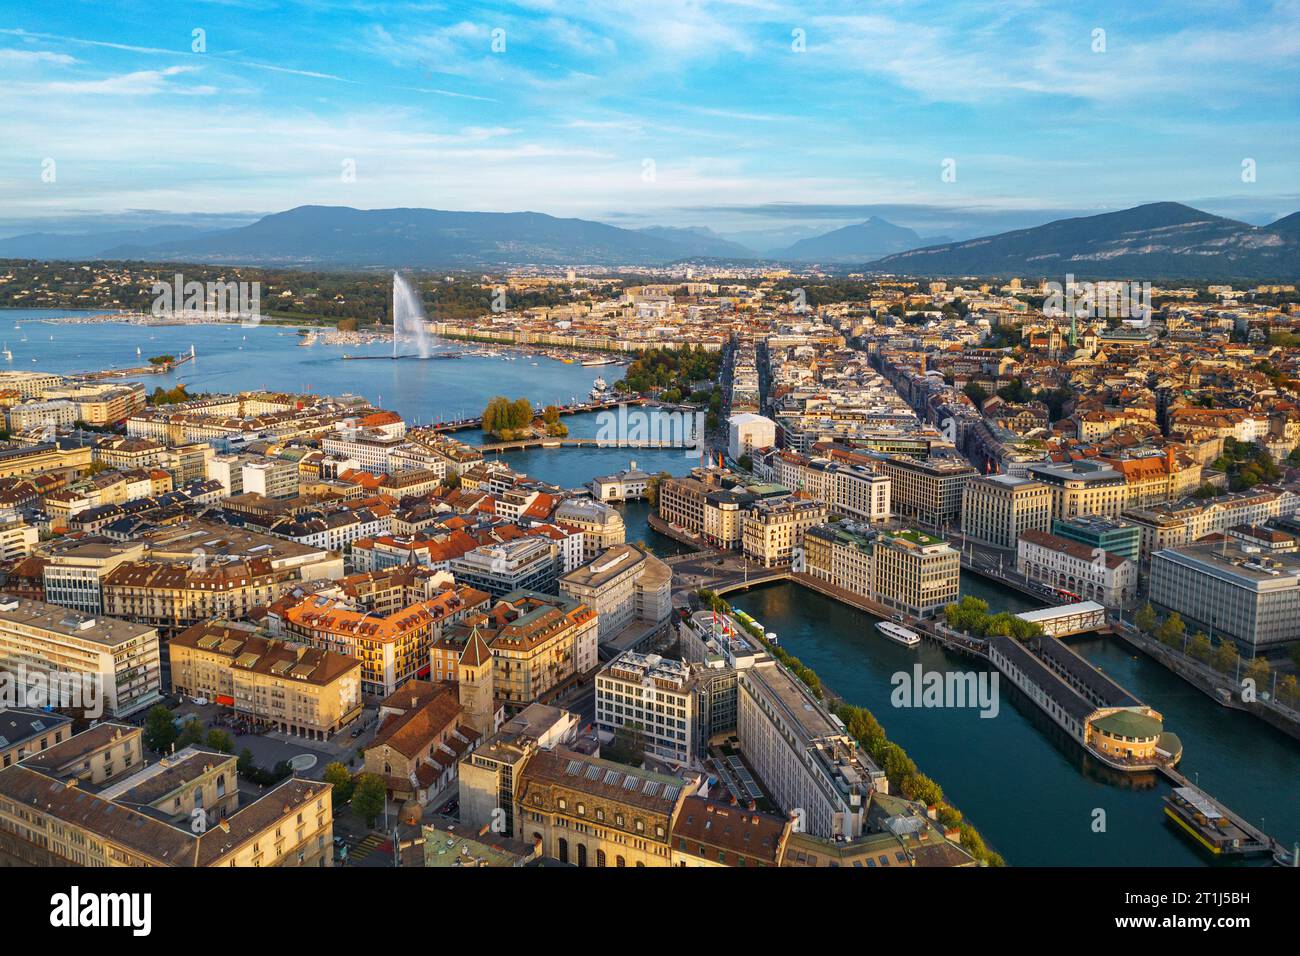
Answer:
(1159, 240)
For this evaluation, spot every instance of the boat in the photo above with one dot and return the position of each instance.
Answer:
(898, 633)
(9, 356)
(589, 363)
(599, 389)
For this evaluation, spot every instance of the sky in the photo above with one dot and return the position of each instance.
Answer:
(749, 116)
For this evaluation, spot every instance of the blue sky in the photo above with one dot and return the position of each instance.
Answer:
(654, 112)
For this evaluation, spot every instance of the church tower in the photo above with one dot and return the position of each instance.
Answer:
(474, 677)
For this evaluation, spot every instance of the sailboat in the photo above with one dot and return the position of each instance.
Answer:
(138, 353)
(9, 356)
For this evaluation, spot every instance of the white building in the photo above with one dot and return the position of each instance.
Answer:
(747, 433)
(1090, 574)
(654, 697)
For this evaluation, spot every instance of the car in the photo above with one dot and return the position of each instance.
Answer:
(356, 732)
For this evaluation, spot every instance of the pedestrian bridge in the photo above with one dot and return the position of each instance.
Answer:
(1068, 618)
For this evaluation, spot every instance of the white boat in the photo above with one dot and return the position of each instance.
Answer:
(9, 356)
(898, 633)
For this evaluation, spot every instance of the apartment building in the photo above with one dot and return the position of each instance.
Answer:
(17, 538)
(522, 563)
(74, 575)
(93, 800)
(270, 477)
(1090, 574)
(772, 529)
(113, 664)
(996, 509)
(42, 414)
(914, 572)
(540, 643)
(295, 689)
(24, 732)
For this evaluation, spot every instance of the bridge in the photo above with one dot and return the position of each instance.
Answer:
(1068, 619)
(524, 443)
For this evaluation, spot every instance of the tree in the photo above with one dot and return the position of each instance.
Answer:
(922, 789)
(368, 797)
(1226, 658)
(245, 762)
(1146, 619)
(191, 733)
(221, 741)
(1286, 690)
(159, 729)
(1259, 671)
(1171, 630)
(1199, 647)
(338, 776)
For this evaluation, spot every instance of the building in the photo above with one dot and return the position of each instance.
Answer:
(591, 812)
(489, 776)
(621, 586)
(114, 665)
(747, 433)
(914, 572)
(53, 414)
(772, 529)
(17, 538)
(1085, 573)
(629, 484)
(295, 689)
(1112, 535)
(74, 575)
(839, 556)
(601, 524)
(928, 491)
(802, 753)
(270, 477)
(1231, 590)
(997, 508)
(860, 493)
(653, 698)
(713, 833)
(540, 644)
(520, 564)
(24, 732)
(1082, 488)
(93, 801)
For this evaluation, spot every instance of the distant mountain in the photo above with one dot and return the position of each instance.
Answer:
(88, 245)
(339, 236)
(856, 243)
(1157, 240)
(700, 241)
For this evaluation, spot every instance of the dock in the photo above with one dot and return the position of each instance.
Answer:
(1216, 828)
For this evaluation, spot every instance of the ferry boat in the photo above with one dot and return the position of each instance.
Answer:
(591, 362)
(896, 632)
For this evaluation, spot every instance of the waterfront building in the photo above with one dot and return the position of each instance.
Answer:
(1082, 488)
(120, 659)
(295, 689)
(838, 556)
(997, 508)
(1112, 535)
(801, 753)
(929, 491)
(93, 800)
(627, 485)
(592, 812)
(1232, 590)
(914, 572)
(724, 511)
(1086, 573)
(772, 529)
(1095, 711)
